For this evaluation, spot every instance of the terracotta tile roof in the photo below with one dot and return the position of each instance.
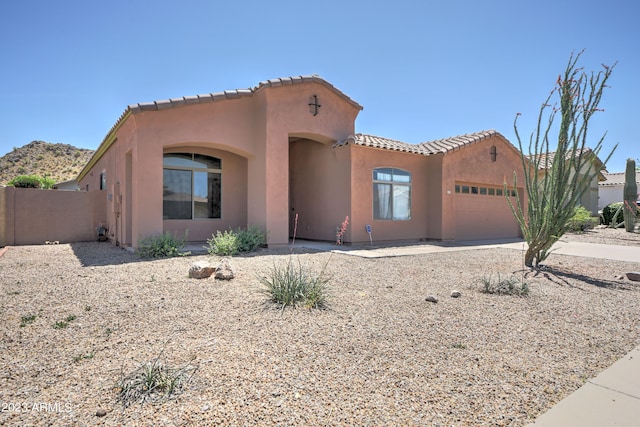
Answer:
(380, 142)
(546, 159)
(236, 94)
(455, 142)
(425, 148)
(202, 99)
(616, 178)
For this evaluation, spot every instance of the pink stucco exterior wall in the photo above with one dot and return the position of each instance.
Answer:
(473, 165)
(279, 160)
(252, 134)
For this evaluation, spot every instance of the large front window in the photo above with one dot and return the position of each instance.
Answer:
(191, 186)
(391, 194)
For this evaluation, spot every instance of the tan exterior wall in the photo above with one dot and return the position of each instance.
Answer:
(473, 164)
(252, 133)
(32, 216)
(319, 189)
(363, 161)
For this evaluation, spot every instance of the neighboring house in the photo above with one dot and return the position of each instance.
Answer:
(589, 199)
(71, 185)
(611, 189)
(288, 147)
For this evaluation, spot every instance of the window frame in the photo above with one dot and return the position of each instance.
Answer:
(393, 184)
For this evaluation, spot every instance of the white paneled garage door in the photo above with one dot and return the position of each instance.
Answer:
(482, 213)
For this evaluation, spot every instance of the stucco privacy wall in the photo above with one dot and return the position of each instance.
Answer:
(33, 216)
(253, 127)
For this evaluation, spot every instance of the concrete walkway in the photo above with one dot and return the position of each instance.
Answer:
(610, 399)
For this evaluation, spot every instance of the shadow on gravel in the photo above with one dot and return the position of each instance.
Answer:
(92, 254)
(563, 277)
(102, 253)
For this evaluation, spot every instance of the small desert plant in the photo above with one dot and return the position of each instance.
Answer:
(61, 324)
(341, 230)
(232, 242)
(291, 285)
(223, 243)
(504, 286)
(81, 357)
(26, 320)
(581, 220)
(153, 380)
(164, 245)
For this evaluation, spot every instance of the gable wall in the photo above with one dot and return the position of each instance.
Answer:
(472, 164)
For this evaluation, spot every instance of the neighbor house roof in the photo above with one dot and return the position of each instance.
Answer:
(203, 99)
(546, 160)
(617, 178)
(440, 146)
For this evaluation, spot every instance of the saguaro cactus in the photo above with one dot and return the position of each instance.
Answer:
(630, 195)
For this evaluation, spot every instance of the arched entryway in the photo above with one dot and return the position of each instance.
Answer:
(319, 188)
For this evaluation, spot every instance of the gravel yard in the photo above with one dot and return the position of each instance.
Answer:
(378, 355)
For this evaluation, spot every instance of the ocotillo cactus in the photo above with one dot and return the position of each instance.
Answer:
(630, 195)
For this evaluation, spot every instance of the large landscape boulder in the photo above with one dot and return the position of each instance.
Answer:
(201, 270)
(224, 270)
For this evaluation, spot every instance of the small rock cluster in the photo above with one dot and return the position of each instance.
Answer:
(203, 270)
(434, 299)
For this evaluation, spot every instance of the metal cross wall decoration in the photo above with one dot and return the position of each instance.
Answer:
(313, 105)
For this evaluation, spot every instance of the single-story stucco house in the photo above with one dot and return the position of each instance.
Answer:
(611, 189)
(288, 147)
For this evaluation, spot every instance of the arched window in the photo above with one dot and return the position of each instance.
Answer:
(391, 194)
(191, 186)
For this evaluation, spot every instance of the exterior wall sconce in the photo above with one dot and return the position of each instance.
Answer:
(314, 107)
(493, 153)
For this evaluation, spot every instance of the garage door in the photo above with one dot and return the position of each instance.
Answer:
(482, 213)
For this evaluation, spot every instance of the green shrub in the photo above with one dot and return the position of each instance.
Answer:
(164, 245)
(581, 220)
(31, 181)
(292, 285)
(251, 238)
(231, 242)
(610, 211)
(225, 244)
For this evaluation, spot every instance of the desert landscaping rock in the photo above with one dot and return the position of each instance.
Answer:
(101, 412)
(431, 298)
(375, 356)
(455, 294)
(224, 270)
(201, 270)
(633, 276)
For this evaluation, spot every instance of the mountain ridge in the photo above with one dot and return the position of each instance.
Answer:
(60, 162)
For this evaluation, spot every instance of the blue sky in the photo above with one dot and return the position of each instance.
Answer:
(421, 69)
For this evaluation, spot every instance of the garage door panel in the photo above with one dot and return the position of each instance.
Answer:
(481, 217)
